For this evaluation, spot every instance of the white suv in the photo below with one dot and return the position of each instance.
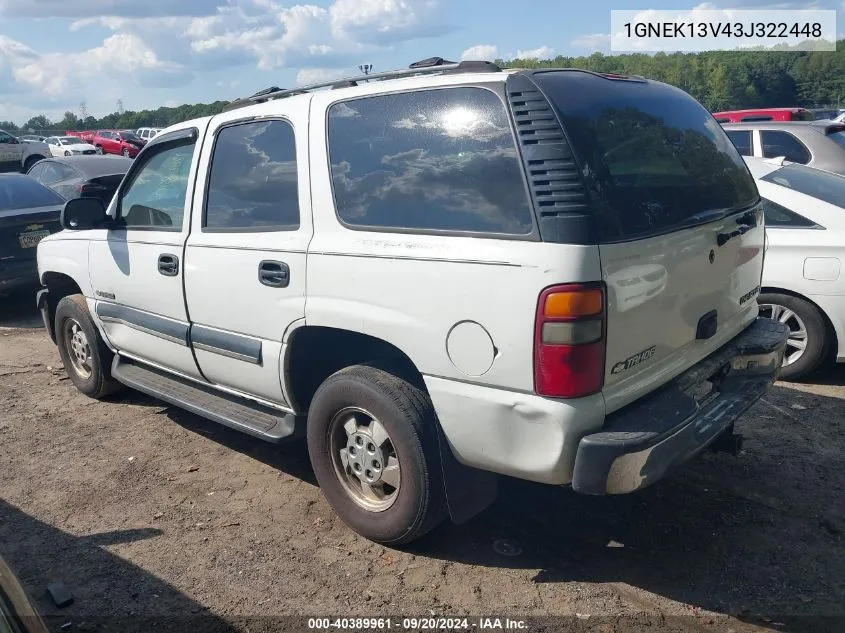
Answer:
(147, 133)
(437, 275)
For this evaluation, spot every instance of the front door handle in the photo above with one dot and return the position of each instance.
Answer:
(274, 274)
(168, 265)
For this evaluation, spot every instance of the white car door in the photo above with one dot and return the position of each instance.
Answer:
(136, 267)
(246, 254)
(11, 152)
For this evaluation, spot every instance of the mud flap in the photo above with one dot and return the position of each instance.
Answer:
(469, 491)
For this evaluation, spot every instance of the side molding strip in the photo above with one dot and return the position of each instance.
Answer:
(226, 344)
(168, 329)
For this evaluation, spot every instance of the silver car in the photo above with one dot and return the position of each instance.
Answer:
(819, 144)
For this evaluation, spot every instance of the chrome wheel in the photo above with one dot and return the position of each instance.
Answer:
(78, 349)
(364, 459)
(796, 344)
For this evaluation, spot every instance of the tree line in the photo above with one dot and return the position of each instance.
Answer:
(728, 80)
(721, 80)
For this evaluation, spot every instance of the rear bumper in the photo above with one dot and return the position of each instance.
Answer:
(639, 444)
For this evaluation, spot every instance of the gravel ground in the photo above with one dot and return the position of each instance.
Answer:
(158, 520)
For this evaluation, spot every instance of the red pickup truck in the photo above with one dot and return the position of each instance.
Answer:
(109, 142)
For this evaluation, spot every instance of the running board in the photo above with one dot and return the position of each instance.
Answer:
(238, 413)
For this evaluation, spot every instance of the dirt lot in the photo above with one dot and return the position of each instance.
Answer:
(146, 511)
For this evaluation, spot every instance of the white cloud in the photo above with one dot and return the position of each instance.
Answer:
(121, 56)
(156, 43)
(384, 20)
(91, 8)
(484, 52)
(544, 52)
(594, 42)
(318, 75)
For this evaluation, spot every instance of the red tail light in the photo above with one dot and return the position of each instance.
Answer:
(570, 340)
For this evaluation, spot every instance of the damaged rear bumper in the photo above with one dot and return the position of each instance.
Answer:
(641, 443)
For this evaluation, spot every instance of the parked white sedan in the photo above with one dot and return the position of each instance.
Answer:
(69, 146)
(803, 282)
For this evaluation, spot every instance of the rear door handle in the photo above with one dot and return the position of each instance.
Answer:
(274, 274)
(168, 265)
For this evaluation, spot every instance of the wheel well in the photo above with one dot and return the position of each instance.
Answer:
(315, 353)
(828, 323)
(31, 160)
(60, 286)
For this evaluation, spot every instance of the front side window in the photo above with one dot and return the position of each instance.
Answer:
(777, 143)
(434, 160)
(742, 141)
(653, 159)
(5, 138)
(252, 183)
(154, 197)
(778, 216)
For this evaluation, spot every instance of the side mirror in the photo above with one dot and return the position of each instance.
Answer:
(81, 214)
(14, 141)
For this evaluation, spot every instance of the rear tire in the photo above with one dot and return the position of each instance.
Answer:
(86, 358)
(807, 328)
(372, 439)
(99, 149)
(30, 162)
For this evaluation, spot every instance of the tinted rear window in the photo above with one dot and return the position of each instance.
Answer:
(19, 192)
(812, 182)
(653, 158)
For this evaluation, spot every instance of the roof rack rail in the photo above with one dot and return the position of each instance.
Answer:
(432, 65)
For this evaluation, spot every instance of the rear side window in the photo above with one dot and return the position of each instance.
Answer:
(653, 159)
(812, 182)
(838, 138)
(25, 193)
(252, 183)
(742, 141)
(435, 160)
(777, 143)
(778, 216)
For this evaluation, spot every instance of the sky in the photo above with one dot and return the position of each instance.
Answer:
(57, 54)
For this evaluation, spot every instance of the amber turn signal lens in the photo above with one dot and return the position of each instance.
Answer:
(578, 303)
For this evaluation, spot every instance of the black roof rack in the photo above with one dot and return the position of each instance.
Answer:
(432, 65)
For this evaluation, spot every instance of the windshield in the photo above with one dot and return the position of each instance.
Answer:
(653, 158)
(25, 193)
(130, 136)
(812, 182)
(71, 140)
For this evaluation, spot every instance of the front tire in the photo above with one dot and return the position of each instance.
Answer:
(373, 446)
(809, 339)
(125, 153)
(86, 358)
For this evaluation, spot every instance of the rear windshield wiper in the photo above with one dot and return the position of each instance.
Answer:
(703, 217)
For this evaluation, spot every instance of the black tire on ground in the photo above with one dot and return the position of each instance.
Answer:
(818, 335)
(99, 149)
(126, 153)
(31, 161)
(407, 414)
(98, 383)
